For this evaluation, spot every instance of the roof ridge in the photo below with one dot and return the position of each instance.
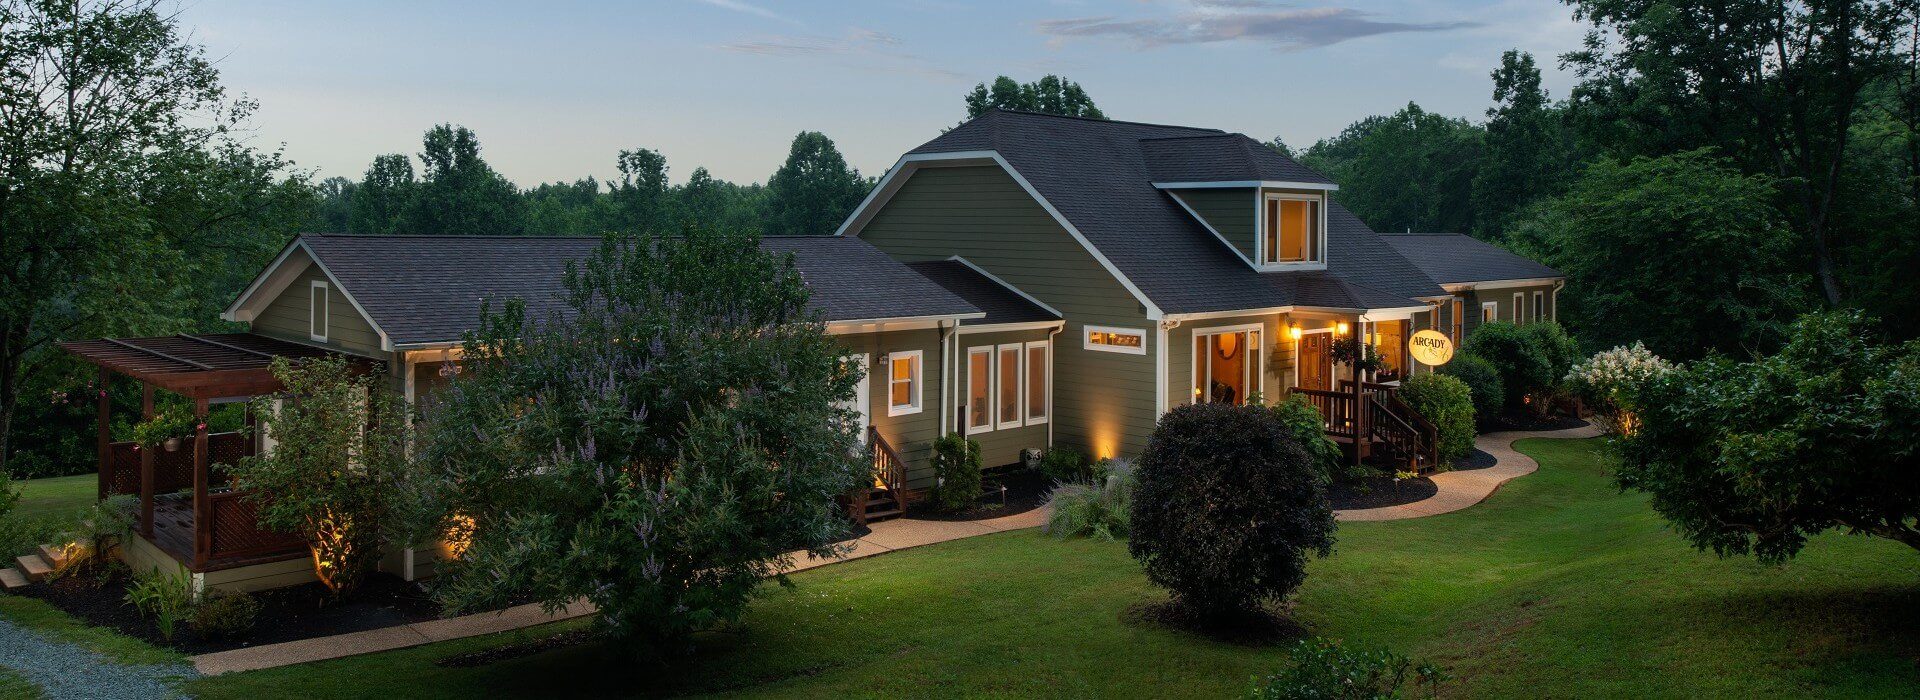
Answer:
(1101, 120)
(478, 236)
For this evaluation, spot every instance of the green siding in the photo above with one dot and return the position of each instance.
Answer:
(1231, 212)
(286, 317)
(1000, 446)
(1104, 403)
(912, 434)
(1503, 297)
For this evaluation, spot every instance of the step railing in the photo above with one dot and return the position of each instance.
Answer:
(889, 468)
(1336, 410)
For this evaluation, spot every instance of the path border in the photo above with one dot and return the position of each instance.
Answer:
(1459, 490)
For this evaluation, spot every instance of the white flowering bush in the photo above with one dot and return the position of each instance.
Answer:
(1607, 382)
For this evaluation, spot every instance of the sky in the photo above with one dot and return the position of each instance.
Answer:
(555, 90)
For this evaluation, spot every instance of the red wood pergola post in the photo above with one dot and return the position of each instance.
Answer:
(106, 438)
(202, 506)
(146, 464)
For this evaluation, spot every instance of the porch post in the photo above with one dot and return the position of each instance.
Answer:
(106, 438)
(146, 464)
(202, 507)
(1361, 438)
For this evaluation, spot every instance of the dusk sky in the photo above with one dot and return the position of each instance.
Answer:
(555, 89)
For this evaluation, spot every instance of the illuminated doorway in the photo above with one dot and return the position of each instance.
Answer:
(1226, 364)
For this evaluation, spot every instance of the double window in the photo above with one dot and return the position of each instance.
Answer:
(1007, 386)
(1226, 364)
(903, 382)
(1291, 230)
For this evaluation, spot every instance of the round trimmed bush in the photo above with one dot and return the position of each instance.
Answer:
(1227, 507)
(1517, 355)
(1448, 403)
(1482, 379)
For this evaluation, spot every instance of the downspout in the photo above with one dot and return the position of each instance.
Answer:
(1553, 314)
(946, 371)
(1051, 349)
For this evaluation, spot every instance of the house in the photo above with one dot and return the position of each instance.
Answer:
(1029, 281)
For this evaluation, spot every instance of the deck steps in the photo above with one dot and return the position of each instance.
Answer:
(33, 566)
(11, 578)
(881, 506)
(56, 556)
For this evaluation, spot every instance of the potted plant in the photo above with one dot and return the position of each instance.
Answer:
(164, 429)
(1353, 353)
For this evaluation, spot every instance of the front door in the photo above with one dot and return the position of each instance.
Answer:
(1315, 362)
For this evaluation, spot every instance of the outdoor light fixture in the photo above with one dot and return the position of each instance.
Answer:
(1340, 328)
(1295, 331)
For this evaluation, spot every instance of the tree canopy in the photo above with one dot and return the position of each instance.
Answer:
(1051, 94)
(814, 191)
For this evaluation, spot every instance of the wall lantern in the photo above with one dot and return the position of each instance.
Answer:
(1295, 331)
(1340, 328)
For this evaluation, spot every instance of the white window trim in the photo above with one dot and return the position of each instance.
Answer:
(915, 382)
(1019, 385)
(1539, 306)
(865, 409)
(1260, 233)
(1046, 392)
(992, 387)
(1519, 308)
(1256, 369)
(321, 312)
(1088, 330)
(1489, 306)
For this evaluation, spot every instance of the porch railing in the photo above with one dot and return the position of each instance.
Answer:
(172, 471)
(233, 529)
(889, 468)
(1336, 410)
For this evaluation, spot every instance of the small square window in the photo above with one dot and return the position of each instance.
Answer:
(903, 383)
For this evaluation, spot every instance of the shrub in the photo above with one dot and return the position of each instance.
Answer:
(1321, 669)
(956, 471)
(1065, 465)
(1518, 357)
(223, 614)
(1608, 381)
(1304, 422)
(1097, 508)
(1482, 380)
(1559, 349)
(1448, 403)
(1227, 507)
(165, 598)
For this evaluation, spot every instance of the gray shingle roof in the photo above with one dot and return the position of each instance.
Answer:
(428, 289)
(1097, 174)
(1002, 305)
(1453, 258)
(1221, 158)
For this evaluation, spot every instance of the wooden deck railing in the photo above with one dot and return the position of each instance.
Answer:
(172, 471)
(1389, 420)
(233, 530)
(889, 468)
(1336, 410)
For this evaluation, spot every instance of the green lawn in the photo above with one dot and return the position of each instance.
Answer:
(57, 495)
(1559, 584)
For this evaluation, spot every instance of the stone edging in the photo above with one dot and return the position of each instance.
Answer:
(1461, 489)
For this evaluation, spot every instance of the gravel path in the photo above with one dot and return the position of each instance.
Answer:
(67, 670)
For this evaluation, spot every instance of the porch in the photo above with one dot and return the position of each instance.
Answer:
(186, 507)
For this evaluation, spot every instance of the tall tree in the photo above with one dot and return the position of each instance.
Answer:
(814, 191)
(458, 192)
(1412, 170)
(642, 197)
(385, 194)
(577, 208)
(107, 112)
(1051, 94)
(1525, 157)
(1775, 85)
(706, 201)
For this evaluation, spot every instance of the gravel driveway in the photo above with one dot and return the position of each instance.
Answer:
(67, 670)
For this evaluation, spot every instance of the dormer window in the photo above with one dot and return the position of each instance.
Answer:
(1293, 229)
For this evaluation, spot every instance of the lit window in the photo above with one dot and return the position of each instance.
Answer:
(1459, 318)
(1226, 365)
(1037, 386)
(317, 311)
(1128, 340)
(903, 383)
(1008, 402)
(1292, 230)
(979, 389)
(1489, 311)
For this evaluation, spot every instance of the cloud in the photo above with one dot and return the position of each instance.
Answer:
(755, 10)
(1221, 21)
(864, 48)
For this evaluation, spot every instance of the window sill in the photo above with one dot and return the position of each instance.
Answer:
(1293, 267)
(902, 410)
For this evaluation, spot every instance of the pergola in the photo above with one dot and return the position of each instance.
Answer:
(219, 530)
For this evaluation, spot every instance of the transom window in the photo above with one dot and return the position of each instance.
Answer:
(1292, 229)
(1132, 341)
(903, 383)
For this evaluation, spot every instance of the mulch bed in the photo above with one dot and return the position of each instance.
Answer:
(1532, 422)
(1026, 490)
(1379, 491)
(1478, 459)
(286, 614)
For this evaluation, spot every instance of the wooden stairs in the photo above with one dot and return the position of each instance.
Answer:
(881, 506)
(33, 568)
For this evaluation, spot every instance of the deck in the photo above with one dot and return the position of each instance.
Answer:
(173, 533)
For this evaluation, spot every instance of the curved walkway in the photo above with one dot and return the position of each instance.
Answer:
(1460, 489)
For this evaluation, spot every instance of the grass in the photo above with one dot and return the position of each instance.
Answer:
(60, 495)
(1559, 583)
(38, 615)
(14, 686)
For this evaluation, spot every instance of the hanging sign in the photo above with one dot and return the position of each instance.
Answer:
(1431, 348)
